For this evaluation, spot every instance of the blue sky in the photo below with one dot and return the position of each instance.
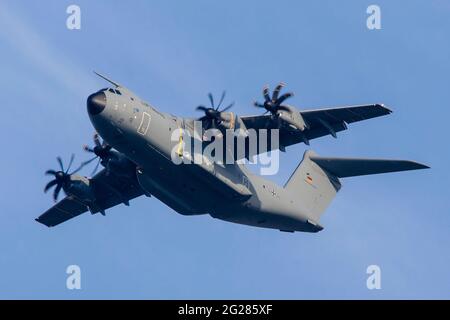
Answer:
(172, 53)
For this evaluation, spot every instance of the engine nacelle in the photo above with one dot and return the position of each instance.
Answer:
(120, 165)
(292, 119)
(81, 188)
(231, 121)
(227, 120)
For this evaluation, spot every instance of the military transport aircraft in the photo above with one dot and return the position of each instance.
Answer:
(137, 156)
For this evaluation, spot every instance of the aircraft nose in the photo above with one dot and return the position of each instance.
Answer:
(96, 103)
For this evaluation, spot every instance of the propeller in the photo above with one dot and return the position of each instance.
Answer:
(213, 114)
(274, 104)
(101, 150)
(62, 177)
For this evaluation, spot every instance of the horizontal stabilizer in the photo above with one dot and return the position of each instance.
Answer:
(316, 182)
(350, 167)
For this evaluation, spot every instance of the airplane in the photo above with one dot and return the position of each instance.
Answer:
(137, 154)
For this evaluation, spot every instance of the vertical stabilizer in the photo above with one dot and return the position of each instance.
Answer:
(315, 187)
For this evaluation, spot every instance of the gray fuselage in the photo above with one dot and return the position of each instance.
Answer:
(225, 191)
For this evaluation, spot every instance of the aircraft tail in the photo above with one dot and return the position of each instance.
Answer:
(316, 179)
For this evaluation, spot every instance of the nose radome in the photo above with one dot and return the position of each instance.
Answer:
(96, 103)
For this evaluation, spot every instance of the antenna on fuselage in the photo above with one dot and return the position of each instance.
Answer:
(109, 80)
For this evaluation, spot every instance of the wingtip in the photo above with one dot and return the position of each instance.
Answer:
(418, 166)
(41, 222)
(382, 105)
(423, 166)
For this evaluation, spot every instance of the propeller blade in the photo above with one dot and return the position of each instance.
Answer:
(107, 171)
(221, 99)
(89, 161)
(277, 90)
(96, 167)
(72, 157)
(97, 140)
(266, 93)
(201, 108)
(60, 163)
(212, 116)
(56, 192)
(87, 148)
(207, 122)
(50, 184)
(229, 107)
(273, 105)
(258, 105)
(211, 99)
(283, 98)
(83, 164)
(215, 114)
(50, 172)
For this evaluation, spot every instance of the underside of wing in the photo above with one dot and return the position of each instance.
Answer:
(348, 114)
(109, 191)
(319, 122)
(327, 121)
(64, 210)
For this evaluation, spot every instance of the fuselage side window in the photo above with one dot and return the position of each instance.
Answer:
(145, 123)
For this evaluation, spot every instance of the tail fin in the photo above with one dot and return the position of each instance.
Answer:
(316, 179)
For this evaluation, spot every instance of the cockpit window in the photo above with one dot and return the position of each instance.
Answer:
(114, 91)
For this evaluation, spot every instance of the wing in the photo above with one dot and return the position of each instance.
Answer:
(338, 117)
(321, 122)
(66, 209)
(109, 190)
